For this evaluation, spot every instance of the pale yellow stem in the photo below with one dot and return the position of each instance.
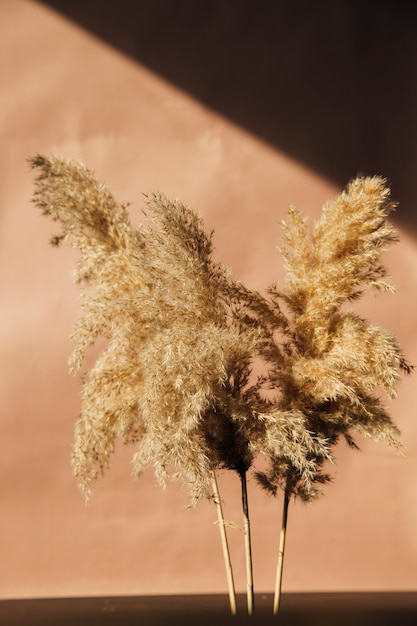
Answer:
(281, 551)
(225, 547)
(248, 549)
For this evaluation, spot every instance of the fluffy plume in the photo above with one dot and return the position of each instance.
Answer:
(333, 361)
(169, 377)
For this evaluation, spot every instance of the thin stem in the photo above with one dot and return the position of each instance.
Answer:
(225, 546)
(248, 549)
(281, 551)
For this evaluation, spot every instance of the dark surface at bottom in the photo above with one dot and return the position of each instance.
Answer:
(297, 609)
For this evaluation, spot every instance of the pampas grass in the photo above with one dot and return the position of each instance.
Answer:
(176, 376)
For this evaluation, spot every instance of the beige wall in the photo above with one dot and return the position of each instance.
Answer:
(65, 92)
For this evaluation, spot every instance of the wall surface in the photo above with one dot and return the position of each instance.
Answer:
(67, 92)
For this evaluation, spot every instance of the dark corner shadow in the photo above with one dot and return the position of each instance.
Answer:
(332, 84)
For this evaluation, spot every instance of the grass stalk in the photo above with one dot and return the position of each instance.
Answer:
(225, 547)
(248, 548)
(281, 552)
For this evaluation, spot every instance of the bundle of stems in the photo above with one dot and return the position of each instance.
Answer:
(176, 377)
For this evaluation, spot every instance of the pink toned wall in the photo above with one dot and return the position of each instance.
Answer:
(65, 91)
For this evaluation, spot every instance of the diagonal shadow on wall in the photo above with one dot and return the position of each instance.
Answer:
(332, 84)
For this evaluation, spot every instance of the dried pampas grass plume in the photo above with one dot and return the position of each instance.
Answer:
(333, 362)
(158, 298)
